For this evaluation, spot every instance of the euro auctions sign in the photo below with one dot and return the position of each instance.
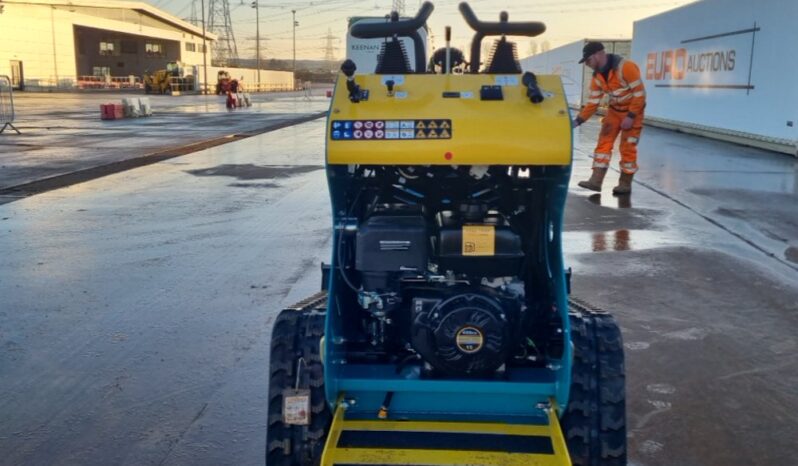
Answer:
(718, 61)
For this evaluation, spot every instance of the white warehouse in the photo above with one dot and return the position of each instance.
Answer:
(53, 43)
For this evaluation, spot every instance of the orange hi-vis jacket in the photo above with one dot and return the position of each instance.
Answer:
(623, 85)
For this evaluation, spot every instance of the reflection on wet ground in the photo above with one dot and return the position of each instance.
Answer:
(617, 241)
(622, 202)
(743, 196)
(585, 242)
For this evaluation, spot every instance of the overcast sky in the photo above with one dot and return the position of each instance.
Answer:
(566, 20)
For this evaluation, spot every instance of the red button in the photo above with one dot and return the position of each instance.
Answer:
(448, 156)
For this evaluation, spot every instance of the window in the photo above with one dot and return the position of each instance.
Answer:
(101, 71)
(152, 49)
(191, 47)
(106, 48)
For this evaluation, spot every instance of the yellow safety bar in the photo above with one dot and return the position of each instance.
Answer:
(335, 453)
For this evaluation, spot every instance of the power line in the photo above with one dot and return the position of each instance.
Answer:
(329, 49)
(224, 49)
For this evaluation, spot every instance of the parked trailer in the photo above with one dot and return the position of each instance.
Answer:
(723, 69)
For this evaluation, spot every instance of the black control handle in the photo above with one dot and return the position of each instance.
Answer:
(348, 68)
(501, 28)
(404, 28)
(532, 90)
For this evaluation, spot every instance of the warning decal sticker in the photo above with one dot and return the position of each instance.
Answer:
(479, 240)
(369, 130)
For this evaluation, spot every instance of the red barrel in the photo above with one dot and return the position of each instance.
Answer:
(107, 111)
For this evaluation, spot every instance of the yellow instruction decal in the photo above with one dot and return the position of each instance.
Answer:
(479, 240)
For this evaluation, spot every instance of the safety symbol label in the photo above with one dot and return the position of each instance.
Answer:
(370, 130)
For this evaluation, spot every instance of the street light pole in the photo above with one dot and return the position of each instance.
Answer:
(204, 53)
(293, 13)
(257, 38)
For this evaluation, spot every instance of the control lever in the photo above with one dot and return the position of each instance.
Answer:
(389, 84)
(348, 68)
(448, 68)
(532, 90)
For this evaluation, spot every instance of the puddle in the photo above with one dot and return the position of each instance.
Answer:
(254, 172)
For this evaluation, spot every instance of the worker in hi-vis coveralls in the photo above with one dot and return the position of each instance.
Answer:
(619, 78)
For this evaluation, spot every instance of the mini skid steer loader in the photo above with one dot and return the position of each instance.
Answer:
(444, 334)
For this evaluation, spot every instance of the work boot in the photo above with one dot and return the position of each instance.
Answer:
(594, 183)
(624, 184)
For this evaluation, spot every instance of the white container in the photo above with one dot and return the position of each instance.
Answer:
(144, 107)
(131, 105)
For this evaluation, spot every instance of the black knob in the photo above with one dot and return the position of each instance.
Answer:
(348, 68)
(390, 85)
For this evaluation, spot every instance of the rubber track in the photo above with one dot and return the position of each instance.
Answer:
(594, 422)
(297, 333)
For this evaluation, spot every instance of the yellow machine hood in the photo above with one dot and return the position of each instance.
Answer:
(443, 120)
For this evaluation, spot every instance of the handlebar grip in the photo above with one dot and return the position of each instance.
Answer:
(502, 28)
(405, 28)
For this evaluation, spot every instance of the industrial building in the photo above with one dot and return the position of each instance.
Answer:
(54, 43)
(66, 44)
(717, 68)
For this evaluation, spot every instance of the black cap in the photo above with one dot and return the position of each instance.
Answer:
(589, 49)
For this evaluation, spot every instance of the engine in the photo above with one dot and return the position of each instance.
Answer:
(445, 285)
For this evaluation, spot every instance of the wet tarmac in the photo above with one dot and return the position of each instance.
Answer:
(62, 133)
(135, 309)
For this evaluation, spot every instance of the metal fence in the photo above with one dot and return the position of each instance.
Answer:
(6, 105)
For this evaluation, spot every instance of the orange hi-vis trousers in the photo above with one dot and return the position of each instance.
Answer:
(610, 127)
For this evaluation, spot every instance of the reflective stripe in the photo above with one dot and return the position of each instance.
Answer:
(602, 158)
(595, 93)
(622, 99)
(629, 167)
(618, 91)
(601, 164)
(620, 73)
(597, 83)
(593, 101)
(639, 94)
(632, 140)
(635, 83)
